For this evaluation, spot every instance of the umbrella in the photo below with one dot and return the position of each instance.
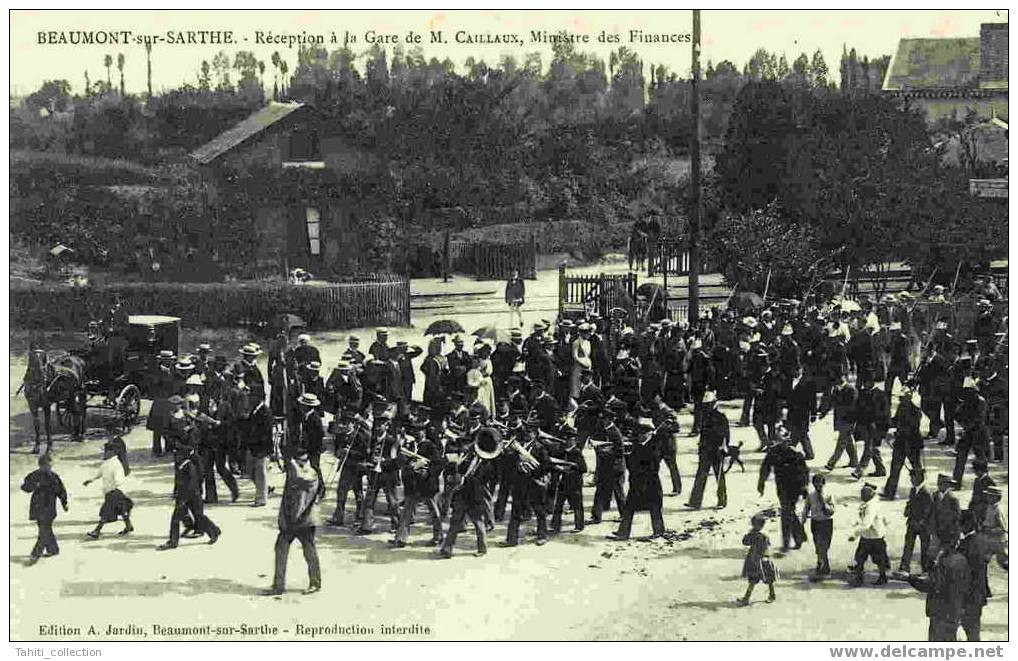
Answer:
(287, 322)
(745, 300)
(491, 333)
(444, 327)
(648, 290)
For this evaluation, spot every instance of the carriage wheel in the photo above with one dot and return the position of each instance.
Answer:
(128, 406)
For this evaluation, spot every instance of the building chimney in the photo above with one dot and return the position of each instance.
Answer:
(993, 52)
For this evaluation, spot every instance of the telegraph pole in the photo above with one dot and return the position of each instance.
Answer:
(694, 216)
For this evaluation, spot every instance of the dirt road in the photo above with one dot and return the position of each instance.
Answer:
(577, 587)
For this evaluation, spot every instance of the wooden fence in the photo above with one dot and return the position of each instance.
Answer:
(384, 301)
(670, 257)
(492, 261)
(596, 293)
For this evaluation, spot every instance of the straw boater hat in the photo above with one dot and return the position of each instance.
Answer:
(895, 326)
(193, 398)
(969, 382)
(308, 399)
(166, 354)
(353, 339)
(185, 364)
(303, 337)
(709, 396)
(313, 366)
(250, 350)
(204, 347)
(749, 321)
(786, 329)
(645, 423)
(195, 380)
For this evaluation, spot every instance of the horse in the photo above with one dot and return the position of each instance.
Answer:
(637, 250)
(35, 386)
(66, 388)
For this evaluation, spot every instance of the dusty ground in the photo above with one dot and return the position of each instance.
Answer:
(578, 587)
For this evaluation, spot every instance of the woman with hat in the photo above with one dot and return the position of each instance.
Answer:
(435, 369)
(645, 490)
(485, 388)
(161, 387)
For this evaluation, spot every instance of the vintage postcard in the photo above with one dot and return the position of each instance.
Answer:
(508, 325)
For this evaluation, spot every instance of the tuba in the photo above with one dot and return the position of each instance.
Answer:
(488, 444)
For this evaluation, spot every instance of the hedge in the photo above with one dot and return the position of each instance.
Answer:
(384, 301)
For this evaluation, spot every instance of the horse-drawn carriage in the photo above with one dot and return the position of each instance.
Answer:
(116, 369)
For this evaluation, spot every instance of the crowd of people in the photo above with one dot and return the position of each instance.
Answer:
(501, 428)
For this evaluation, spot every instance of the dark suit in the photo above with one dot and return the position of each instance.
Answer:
(946, 519)
(946, 591)
(609, 470)
(976, 549)
(714, 436)
(802, 410)
(918, 517)
(188, 505)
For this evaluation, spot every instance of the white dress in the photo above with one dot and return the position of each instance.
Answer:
(486, 391)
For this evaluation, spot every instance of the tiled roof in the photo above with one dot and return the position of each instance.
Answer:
(246, 129)
(934, 64)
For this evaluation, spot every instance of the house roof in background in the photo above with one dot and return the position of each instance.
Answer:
(934, 64)
(239, 133)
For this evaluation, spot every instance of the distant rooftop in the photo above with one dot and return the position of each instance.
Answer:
(239, 133)
(957, 64)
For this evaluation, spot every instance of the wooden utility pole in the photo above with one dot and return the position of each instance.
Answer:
(694, 216)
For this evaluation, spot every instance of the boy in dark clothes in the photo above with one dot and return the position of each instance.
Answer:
(45, 487)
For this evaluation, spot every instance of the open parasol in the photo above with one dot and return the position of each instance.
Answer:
(444, 327)
(491, 333)
(286, 322)
(745, 300)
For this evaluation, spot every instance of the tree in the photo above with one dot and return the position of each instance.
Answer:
(205, 77)
(88, 84)
(275, 75)
(783, 70)
(750, 245)
(283, 69)
(755, 152)
(221, 65)
(120, 68)
(820, 71)
(108, 63)
(53, 96)
(148, 67)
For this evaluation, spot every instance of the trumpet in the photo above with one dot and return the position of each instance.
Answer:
(406, 452)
